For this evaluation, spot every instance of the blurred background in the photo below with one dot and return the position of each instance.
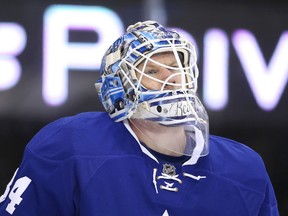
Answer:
(50, 52)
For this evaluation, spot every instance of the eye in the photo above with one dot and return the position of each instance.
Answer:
(151, 72)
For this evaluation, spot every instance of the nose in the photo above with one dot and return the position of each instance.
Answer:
(171, 79)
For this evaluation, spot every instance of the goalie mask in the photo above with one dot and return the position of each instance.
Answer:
(150, 73)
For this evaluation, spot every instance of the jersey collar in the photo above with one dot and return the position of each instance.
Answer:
(193, 159)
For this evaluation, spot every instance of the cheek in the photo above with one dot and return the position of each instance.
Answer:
(178, 78)
(150, 84)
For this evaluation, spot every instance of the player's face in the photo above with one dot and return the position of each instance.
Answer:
(159, 72)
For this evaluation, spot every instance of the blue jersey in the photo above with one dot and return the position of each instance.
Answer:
(88, 165)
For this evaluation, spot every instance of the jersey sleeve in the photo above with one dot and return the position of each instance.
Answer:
(39, 187)
(57, 164)
(269, 206)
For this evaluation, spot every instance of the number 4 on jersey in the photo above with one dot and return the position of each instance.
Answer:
(15, 194)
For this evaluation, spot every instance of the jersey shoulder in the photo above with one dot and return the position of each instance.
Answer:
(88, 134)
(235, 161)
(232, 153)
(233, 166)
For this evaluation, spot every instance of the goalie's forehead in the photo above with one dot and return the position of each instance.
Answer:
(158, 59)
